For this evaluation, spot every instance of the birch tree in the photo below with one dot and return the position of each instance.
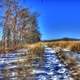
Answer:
(19, 25)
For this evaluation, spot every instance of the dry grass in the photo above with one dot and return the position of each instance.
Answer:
(71, 64)
(72, 45)
(36, 49)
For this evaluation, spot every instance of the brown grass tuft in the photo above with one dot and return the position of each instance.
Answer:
(72, 45)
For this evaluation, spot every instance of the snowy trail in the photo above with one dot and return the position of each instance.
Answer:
(50, 68)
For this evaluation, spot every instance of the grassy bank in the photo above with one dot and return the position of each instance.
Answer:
(36, 47)
(71, 64)
(72, 45)
(33, 52)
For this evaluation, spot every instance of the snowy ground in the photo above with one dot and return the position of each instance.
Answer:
(50, 68)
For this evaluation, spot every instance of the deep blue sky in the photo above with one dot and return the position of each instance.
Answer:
(58, 18)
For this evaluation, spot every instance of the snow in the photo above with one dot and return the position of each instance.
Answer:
(50, 69)
(64, 49)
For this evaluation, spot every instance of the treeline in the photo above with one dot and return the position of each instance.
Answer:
(19, 25)
(62, 39)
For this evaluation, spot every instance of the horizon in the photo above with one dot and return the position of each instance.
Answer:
(58, 19)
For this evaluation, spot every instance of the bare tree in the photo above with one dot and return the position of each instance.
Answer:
(19, 25)
(10, 21)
